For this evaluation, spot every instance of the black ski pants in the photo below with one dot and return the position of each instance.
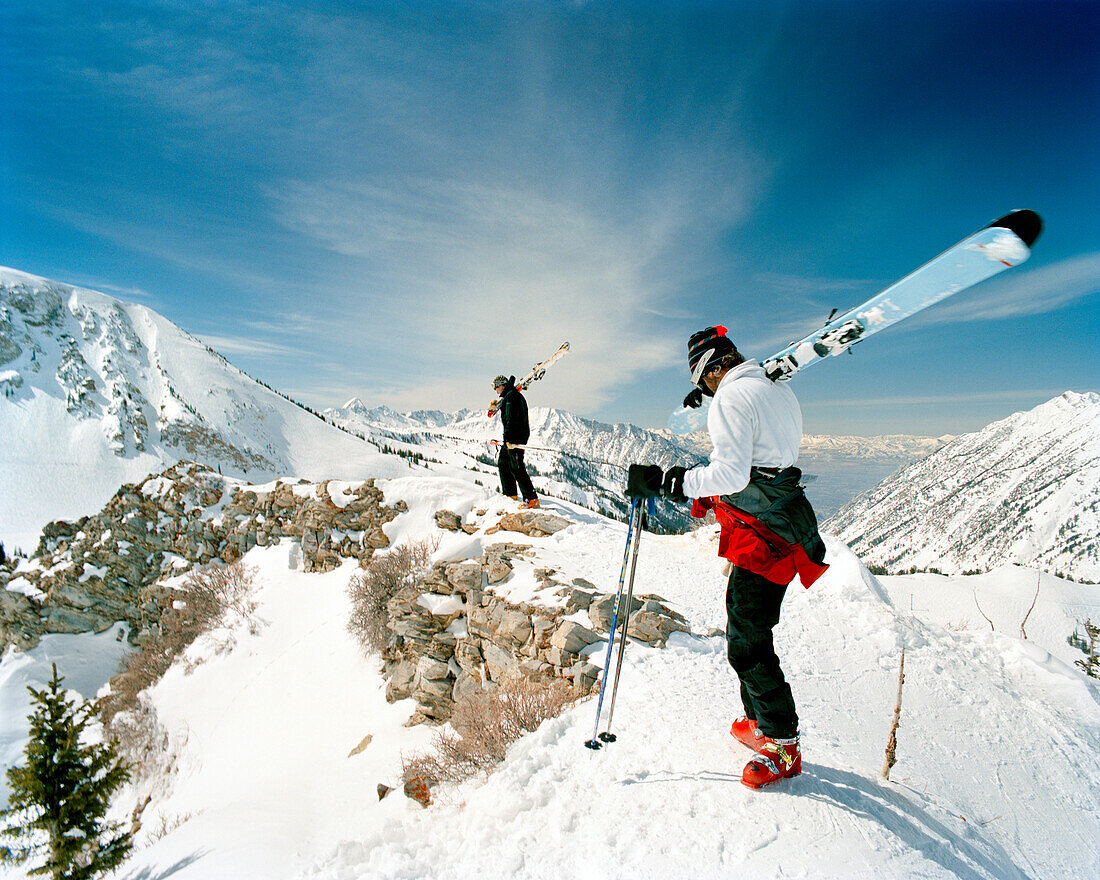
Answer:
(752, 611)
(512, 472)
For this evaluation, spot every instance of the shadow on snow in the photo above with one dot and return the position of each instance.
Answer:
(964, 855)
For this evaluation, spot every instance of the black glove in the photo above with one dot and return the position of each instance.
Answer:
(643, 481)
(694, 398)
(648, 481)
(672, 487)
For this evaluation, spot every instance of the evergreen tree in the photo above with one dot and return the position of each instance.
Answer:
(60, 796)
(3, 556)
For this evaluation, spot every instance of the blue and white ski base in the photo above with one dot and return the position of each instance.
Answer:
(999, 246)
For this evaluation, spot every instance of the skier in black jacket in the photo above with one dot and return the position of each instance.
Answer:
(517, 431)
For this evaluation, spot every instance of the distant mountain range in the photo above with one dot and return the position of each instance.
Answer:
(580, 459)
(1025, 489)
(95, 392)
(595, 455)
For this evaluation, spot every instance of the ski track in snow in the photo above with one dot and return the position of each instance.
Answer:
(997, 774)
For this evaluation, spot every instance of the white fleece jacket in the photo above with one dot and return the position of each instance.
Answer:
(752, 421)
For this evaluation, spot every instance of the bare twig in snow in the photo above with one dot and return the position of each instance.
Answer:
(982, 613)
(892, 742)
(1034, 599)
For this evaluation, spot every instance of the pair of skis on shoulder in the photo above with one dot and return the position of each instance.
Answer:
(536, 372)
(1002, 244)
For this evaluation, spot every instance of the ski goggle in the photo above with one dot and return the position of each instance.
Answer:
(702, 368)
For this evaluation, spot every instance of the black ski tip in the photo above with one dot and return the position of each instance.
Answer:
(1025, 224)
(608, 737)
(591, 744)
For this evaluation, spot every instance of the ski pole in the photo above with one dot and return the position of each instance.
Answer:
(560, 452)
(635, 512)
(525, 446)
(651, 509)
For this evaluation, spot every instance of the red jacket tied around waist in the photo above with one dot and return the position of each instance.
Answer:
(749, 544)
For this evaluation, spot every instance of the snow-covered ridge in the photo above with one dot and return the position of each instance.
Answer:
(592, 456)
(1022, 490)
(95, 392)
(580, 459)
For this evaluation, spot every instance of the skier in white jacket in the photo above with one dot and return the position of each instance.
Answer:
(755, 426)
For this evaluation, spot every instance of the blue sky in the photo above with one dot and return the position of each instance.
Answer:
(399, 201)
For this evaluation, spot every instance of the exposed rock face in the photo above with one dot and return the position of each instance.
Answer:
(458, 631)
(455, 632)
(89, 574)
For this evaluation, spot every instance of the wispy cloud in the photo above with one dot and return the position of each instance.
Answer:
(463, 279)
(806, 300)
(1023, 292)
(249, 346)
(937, 399)
(126, 293)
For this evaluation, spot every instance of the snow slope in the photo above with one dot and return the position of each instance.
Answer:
(1022, 490)
(997, 774)
(95, 392)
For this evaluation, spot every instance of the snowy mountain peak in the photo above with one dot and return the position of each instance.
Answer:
(354, 405)
(1025, 489)
(95, 392)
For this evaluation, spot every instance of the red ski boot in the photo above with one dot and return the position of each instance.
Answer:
(776, 759)
(745, 731)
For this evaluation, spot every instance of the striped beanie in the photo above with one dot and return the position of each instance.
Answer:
(705, 349)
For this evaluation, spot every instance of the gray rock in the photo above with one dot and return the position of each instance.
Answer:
(573, 637)
(514, 628)
(399, 686)
(448, 520)
(654, 627)
(499, 662)
(600, 610)
(464, 576)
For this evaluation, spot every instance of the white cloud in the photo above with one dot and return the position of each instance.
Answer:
(240, 345)
(1023, 292)
(465, 280)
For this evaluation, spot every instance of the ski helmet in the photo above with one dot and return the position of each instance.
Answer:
(705, 349)
(500, 381)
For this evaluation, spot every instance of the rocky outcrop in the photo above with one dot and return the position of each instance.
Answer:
(88, 574)
(458, 631)
(533, 523)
